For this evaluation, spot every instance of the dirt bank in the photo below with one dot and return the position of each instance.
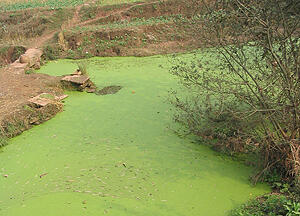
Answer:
(16, 89)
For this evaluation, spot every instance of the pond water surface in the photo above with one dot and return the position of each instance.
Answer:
(115, 154)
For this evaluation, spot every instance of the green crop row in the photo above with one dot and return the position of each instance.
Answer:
(123, 24)
(53, 4)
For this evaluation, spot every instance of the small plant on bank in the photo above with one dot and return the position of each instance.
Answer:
(270, 205)
(292, 208)
(29, 71)
(83, 67)
(3, 140)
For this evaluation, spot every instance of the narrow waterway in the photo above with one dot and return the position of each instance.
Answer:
(115, 154)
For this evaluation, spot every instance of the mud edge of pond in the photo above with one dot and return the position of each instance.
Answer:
(24, 119)
(32, 98)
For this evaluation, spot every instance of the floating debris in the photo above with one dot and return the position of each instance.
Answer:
(108, 90)
(44, 174)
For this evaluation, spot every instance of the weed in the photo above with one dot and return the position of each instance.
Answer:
(50, 53)
(29, 71)
(272, 205)
(82, 67)
(3, 139)
(292, 208)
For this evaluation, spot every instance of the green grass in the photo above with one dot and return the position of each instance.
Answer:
(13, 5)
(53, 4)
(124, 24)
(113, 2)
(271, 205)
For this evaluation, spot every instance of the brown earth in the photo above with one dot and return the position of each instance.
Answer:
(16, 88)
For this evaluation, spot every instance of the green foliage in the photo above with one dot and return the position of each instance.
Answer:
(3, 139)
(255, 82)
(126, 23)
(29, 71)
(88, 12)
(50, 53)
(83, 67)
(292, 208)
(18, 51)
(270, 205)
(53, 4)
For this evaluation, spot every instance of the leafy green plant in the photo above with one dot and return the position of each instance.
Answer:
(269, 205)
(29, 71)
(3, 140)
(53, 4)
(292, 208)
(83, 67)
(50, 53)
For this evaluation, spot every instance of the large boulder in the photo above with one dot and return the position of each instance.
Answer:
(32, 58)
(24, 59)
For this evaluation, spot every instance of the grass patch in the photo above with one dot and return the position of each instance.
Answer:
(124, 24)
(115, 2)
(10, 5)
(83, 67)
(47, 96)
(3, 140)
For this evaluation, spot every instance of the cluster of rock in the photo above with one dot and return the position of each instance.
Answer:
(79, 82)
(31, 59)
(45, 99)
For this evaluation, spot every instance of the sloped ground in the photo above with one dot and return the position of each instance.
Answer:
(16, 89)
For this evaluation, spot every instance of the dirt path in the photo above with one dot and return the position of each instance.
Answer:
(39, 42)
(119, 12)
(75, 21)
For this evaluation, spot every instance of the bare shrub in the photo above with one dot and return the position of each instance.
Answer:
(253, 87)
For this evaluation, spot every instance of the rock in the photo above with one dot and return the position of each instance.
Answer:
(31, 58)
(91, 90)
(78, 82)
(76, 72)
(24, 59)
(60, 98)
(37, 65)
(61, 41)
(39, 101)
(44, 99)
(76, 79)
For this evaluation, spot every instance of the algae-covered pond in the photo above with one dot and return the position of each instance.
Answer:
(115, 154)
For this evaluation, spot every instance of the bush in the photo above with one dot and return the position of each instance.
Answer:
(251, 95)
(51, 53)
(271, 205)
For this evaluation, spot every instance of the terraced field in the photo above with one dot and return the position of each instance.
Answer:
(13, 5)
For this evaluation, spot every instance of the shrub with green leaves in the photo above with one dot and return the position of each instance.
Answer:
(270, 205)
